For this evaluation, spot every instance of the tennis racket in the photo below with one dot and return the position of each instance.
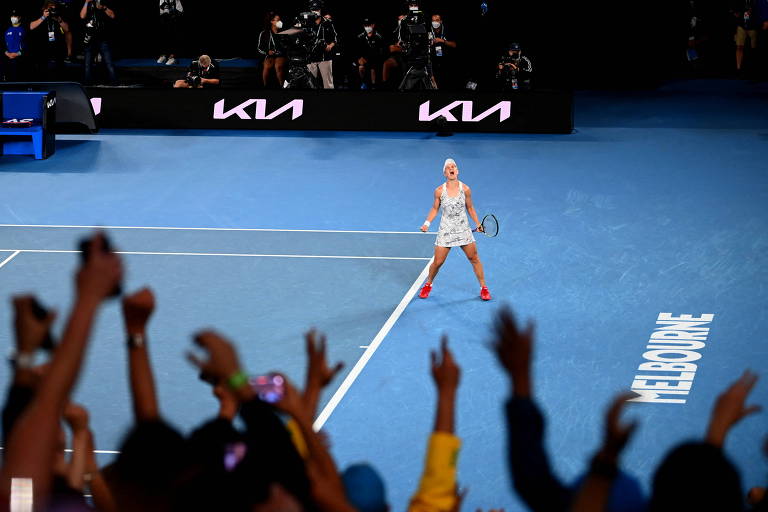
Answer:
(489, 226)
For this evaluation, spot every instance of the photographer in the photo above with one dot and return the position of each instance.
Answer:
(271, 46)
(171, 15)
(50, 33)
(370, 50)
(441, 53)
(15, 46)
(321, 56)
(203, 73)
(97, 18)
(514, 70)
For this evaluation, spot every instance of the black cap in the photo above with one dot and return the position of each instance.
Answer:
(514, 46)
(368, 21)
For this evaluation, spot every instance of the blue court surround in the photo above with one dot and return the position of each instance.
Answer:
(656, 204)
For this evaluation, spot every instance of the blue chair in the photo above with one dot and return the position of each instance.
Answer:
(39, 108)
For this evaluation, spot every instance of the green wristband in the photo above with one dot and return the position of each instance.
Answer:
(237, 380)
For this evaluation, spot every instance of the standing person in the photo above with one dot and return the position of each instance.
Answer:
(454, 200)
(441, 53)
(15, 47)
(97, 17)
(326, 38)
(171, 13)
(747, 23)
(50, 35)
(271, 46)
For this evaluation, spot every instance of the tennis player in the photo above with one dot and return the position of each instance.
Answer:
(454, 200)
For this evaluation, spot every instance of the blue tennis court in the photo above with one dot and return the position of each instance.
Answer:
(654, 205)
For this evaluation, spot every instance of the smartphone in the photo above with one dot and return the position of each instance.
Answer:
(85, 251)
(41, 313)
(270, 388)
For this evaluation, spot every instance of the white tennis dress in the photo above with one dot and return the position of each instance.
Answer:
(454, 227)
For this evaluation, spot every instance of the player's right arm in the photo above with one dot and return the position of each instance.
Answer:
(433, 211)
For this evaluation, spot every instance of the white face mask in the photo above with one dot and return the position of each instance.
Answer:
(279, 25)
(15, 20)
(435, 24)
(368, 30)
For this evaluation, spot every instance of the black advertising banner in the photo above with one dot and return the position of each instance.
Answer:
(518, 112)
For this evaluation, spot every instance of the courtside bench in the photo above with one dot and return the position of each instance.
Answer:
(27, 126)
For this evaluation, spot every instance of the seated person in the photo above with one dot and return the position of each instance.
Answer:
(370, 51)
(203, 73)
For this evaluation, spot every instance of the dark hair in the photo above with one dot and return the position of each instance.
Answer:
(696, 476)
(268, 20)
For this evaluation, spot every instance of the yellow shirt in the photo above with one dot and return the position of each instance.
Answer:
(437, 489)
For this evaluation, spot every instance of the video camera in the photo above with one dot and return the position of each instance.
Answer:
(415, 38)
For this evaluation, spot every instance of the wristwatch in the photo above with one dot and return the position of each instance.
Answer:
(22, 360)
(135, 341)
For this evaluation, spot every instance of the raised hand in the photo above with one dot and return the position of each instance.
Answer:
(76, 417)
(318, 373)
(222, 361)
(513, 349)
(31, 331)
(445, 371)
(101, 274)
(617, 434)
(137, 309)
(730, 409)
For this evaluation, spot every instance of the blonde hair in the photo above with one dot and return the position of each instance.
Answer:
(204, 61)
(449, 161)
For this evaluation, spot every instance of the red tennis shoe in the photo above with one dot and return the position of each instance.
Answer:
(484, 293)
(424, 293)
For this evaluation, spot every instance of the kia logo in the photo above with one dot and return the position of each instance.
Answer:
(259, 111)
(504, 108)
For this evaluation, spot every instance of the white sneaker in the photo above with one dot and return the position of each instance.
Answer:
(98, 58)
(161, 59)
(171, 61)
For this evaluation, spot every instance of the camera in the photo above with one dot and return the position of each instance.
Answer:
(416, 38)
(53, 11)
(306, 20)
(193, 77)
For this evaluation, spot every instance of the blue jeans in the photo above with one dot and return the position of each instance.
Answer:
(91, 50)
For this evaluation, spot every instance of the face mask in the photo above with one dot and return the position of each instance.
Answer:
(279, 25)
(413, 7)
(368, 30)
(435, 24)
(15, 21)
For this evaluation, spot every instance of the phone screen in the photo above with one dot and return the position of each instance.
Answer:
(270, 388)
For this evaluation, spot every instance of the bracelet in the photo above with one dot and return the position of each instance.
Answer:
(427, 223)
(237, 380)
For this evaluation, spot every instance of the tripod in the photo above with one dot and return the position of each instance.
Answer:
(417, 78)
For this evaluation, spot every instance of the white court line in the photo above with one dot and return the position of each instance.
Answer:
(217, 229)
(352, 376)
(9, 258)
(144, 253)
(69, 450)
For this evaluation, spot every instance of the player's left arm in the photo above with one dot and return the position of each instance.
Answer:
(470, 205)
